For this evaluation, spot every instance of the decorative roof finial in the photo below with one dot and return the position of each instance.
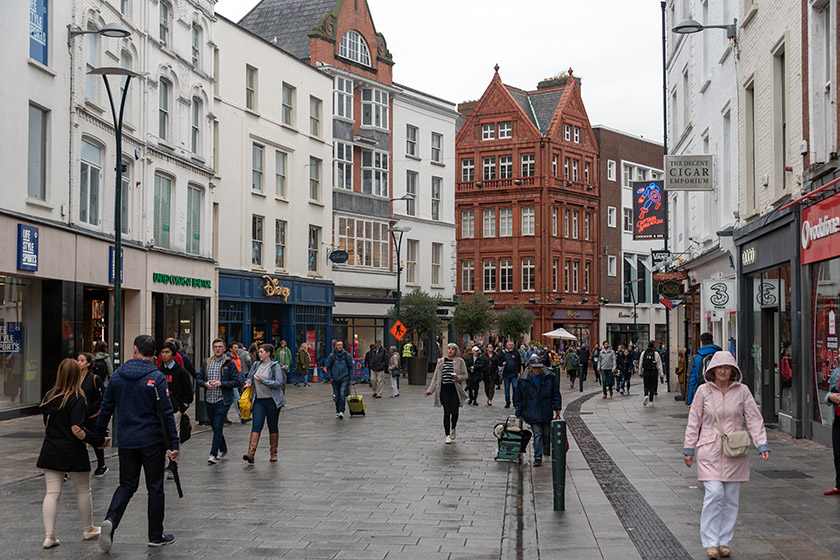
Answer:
(496, 68)
(571, 72)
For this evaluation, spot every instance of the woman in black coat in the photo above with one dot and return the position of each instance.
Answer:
(93, 387)
(64, 409)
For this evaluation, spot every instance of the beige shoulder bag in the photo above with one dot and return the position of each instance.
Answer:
(735, 444)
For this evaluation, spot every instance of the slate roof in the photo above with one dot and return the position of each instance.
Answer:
(287, 21)
(544, 105)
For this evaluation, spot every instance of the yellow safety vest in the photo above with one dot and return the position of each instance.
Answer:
(407, 350)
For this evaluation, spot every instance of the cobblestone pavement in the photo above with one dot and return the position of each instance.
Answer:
(385, 486)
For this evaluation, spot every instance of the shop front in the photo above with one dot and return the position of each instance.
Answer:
(769, 341)
(583, 323)
(261, 308)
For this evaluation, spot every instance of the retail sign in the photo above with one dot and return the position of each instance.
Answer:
(174, 280)
(311, 340)
(339, 256)
(648, 210)
(689, 173)
(748, 256)
(38, 25)
(718, 295)
(670, 288)
(659, 257)
(273, 288)
(27, 248)
(673, 275)
(768, 293)
(111, 264)
(820, 233)
(670, 304)
(11, 337)
(398, 330)
(572, 314)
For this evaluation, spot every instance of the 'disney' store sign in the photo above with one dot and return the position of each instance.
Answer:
(820, 233)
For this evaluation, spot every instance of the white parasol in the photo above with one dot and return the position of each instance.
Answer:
(560, 333)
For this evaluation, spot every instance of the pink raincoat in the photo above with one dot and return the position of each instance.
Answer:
(734, 408)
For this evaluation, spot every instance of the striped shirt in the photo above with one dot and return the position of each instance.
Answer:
(448, 375)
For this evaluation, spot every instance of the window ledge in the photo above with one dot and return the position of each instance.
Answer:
(316, 203)
(281, 199)
(749, 15)
(163, 144)
(258, 268)
(257, 193)
(438, 163)
(343, 119)
(39, 203)
(91, 105)
(412, 156)
(288, 127)
(45, 69)
(253, 112)
(198, 159)
(725, 53)
(705, 85)
(371, 127)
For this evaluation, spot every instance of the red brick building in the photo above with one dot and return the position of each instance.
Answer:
(527, 200)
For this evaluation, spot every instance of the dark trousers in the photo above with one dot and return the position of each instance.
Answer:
(572, 375)
(649, 378)
(451, 405)
(151, 459)
(835, 441)
(90, 424)
(472, 389)
(265, 409)
(607, 380)
(217, 412)
(489, 385)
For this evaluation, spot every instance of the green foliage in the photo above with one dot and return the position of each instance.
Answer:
(514, 321)
(474, 315)
(418, 312)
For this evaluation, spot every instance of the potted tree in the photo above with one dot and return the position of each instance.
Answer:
(474, 315)
(418, 312)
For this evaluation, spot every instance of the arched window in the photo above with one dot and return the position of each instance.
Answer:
(354, 47)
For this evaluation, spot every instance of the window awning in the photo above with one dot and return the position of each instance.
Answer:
(816, 195)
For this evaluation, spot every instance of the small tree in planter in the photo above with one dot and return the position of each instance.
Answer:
(474, 315)
(513, 322)
(418, 312)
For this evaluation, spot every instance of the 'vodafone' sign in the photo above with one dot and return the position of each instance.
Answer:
(820, 223)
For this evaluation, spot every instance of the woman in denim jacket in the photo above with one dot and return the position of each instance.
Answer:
(267, 398)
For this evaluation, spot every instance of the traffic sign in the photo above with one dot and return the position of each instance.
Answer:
(398, 330)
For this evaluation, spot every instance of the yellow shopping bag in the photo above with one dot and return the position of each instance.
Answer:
(245, 403)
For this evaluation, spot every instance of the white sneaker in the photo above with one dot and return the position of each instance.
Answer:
(651, 403)
(221, 454)
(341, 416)
(453, 434)
(645, 402)
(211, 460)
(448, 440)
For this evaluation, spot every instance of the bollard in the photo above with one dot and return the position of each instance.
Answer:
(558, 463)
(580, 378)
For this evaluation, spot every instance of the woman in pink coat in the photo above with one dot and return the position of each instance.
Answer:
(721, 475)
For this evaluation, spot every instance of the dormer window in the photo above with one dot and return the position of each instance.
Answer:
(354, 47)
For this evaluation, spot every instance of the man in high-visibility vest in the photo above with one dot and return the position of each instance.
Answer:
(408, 351)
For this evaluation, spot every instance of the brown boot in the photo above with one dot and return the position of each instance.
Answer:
(252, 448)
(273, 440)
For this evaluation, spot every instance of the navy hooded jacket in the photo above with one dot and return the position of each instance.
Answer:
(131, 391)
(696, 374)
(537, 404)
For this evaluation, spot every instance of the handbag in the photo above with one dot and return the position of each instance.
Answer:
(245, 403)
(185, 428)
(735, 444)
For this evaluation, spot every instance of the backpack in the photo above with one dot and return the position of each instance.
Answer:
(575, 359)
(99, 369)
(704, 365)
(649, 361)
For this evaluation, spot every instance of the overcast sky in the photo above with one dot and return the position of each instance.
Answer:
(448, 48)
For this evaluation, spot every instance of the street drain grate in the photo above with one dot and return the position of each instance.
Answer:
(785, 474)
(24, 435)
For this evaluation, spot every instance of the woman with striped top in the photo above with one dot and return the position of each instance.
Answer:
(450, 373)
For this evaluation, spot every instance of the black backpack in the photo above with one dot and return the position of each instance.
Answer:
(99, 369)
(649, 361)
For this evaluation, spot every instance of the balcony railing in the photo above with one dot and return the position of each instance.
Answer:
(495, 184)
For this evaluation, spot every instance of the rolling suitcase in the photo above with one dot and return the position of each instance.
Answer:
(356, 403)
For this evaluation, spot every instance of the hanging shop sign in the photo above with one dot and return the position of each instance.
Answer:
(174, 280)
(689, 173)
(659, 257)
(339, 256)
(673, 275)
(649, 210)
(112, 264)
(273, 288)
(671, 288)
(27, 248)
(820, 233)
(718, 295)
(768, 293)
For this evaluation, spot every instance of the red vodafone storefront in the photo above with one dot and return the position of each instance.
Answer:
(819, 241)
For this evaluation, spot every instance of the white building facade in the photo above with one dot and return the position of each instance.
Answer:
(272, 201)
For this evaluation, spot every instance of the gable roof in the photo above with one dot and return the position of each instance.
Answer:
(539, 106)
(287, 23)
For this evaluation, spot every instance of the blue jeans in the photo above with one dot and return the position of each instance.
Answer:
(542, 433)
(217, 412)
(236, 396)
(514, 380)
(341, 389)
(264, 409)
(607, 380)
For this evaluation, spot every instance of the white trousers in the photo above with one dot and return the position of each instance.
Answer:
(395, 384)
(720, 511)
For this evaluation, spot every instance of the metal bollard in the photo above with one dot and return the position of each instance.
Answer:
(558, 463)
(580, 379)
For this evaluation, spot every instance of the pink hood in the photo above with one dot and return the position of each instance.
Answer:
(723, 358)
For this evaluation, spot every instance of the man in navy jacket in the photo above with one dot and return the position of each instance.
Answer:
(537, 401)
(696, 379)
(339, 368)
(134, 391)
(219, 376)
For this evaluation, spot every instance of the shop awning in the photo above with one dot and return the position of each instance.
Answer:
(817, 195)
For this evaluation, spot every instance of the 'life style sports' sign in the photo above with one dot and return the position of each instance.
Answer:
(649, 217)
(819, 236)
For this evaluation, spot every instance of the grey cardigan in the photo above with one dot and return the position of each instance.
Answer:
(460, 376)
(276, 382)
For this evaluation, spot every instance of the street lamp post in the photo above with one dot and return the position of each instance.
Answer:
(118, 125)
(401, 230)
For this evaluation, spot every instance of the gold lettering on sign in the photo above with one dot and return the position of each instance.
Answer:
(572, 314)
(272, 288)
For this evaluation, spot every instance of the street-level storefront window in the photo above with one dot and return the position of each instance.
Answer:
(769, 340)
(580, 330)
(183, 318)
(826, 300)
(20, 342)
(358, 334)
(311, 328)
(624, 334)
